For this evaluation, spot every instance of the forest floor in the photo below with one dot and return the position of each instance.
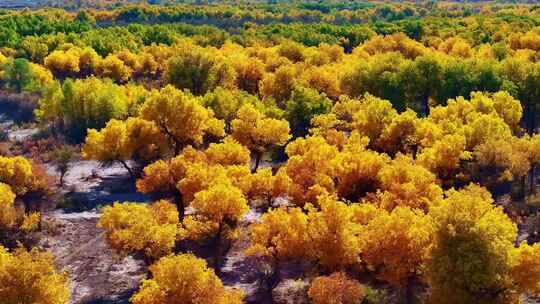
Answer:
(98, 276)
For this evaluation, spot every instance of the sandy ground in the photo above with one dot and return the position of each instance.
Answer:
(97, 274)
(89, 186)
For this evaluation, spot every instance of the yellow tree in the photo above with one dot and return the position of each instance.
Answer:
(8, 213)
(114, 68)
(327, 236)
(17, 172)
(526, 271)
(502, 160)
(88, 59)
(456, 46)
(225, 103)
(148, 229)
(121, 141)
(373, 117)
(257, 132)
(484, 127)
(249, 73)
(157, 177)
(19, 179)
(184, 279)
(31, 277)
(63, 63)
(336, 288)
(395, 245)
(473, 140)
(193, 171)
(41, 78)
(340, 117)
(266, 186)
(333, 235)
(324, 80)
(131, 60)
(310, 168)
(162, 177)
(444, 157)
(403, 183)
(401, 134)
(228, 153)
(501, 103)
(181, 117)
(333, 163)
(281, 235)
(12, 216)
(356, 169)
(471, 260)
(217, 211)
(291, 50)
(200, 176)
(148, 66)
(279, 85)
(398, 42)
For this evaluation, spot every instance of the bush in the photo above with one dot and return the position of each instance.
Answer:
(335, 288)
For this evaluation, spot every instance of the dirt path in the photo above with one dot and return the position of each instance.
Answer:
(79, 247)
(239, 271)
(97, 276)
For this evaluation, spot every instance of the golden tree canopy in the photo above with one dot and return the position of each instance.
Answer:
(30, 277)
(184, 279)
(135, 227)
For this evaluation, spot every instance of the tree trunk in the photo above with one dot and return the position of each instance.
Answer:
(176, 148)
(530, 117)
(62, 175)
(533, 118)
(405, 292)
(532, 182)
(272, 281)
(217, 251)
(269, 204)
(523, 187)
(414, 151)
(409, 292)
(177, 145)
(131, 174)
(180, 206)
(425, 101)
(258, 157)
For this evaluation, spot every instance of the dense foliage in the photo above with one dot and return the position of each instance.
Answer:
(389, 143)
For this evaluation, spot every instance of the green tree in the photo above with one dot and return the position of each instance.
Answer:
(18, 74)
(472, 255)
(199, 71)
(421, 79)
(305, 104)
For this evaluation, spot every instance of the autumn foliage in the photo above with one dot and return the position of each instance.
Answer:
(31, 277)
(385, 142)
(132, 227)
(335, 288)
(184, 279)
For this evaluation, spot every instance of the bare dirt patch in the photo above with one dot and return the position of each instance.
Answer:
(96, 275)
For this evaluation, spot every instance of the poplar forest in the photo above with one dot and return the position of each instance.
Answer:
(261, 152)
